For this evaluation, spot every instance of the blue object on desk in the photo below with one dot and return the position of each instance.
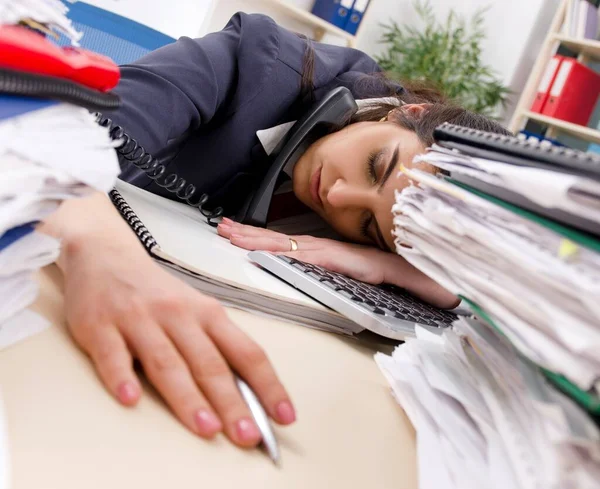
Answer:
(115, 36)
(15, 105)
(356, 16)
(336, 12)
(15, 234)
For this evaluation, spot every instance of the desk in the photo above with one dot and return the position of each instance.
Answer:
(66, 432)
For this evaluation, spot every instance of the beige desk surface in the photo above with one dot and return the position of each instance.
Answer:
(66, 432)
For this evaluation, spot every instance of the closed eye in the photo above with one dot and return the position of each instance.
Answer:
(365, 224)
(372, 166)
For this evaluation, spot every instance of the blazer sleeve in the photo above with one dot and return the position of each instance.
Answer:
(175, 89)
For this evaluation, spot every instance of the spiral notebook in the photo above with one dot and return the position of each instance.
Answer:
(179, 239)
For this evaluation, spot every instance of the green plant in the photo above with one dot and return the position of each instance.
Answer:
(445, 54)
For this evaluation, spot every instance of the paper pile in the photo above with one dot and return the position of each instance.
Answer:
(48, 14)
(539, 287)
(49, 152)
(507, 397)
(487, 418)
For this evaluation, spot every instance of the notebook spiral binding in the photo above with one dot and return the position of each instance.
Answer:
(133, 220)
(130, 151)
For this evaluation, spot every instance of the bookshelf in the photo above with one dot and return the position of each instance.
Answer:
(585, 47)
(588, 50)
(320, 26)
(581, 132)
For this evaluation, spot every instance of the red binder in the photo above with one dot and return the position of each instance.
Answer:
(574, 93)
(546, 83)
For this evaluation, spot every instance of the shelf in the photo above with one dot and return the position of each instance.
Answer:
(587, 47)
(581, 132)
(309, 18)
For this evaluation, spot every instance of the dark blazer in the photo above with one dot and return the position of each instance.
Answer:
(196, 104)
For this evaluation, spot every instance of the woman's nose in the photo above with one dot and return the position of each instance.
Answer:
(342, 194)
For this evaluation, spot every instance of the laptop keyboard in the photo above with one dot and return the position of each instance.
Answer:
(382, 300)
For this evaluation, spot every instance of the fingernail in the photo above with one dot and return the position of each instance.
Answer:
(227, 221)
(236, 236)
(285, 412)
(128, 392)
(224, 226)
(208, 424)
(247, 430)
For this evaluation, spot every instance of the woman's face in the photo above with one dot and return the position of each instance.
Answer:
(350, 176)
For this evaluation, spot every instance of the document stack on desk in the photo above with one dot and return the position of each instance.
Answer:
(49, 151)
(485, 417)
(513, 229)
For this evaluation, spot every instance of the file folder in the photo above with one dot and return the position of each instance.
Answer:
(546, 83)
(574, 93)
(356, 16)
(15, 234)
(335, 12)
(15, 105)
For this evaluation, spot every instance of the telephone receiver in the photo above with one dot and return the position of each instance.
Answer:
(327, 116)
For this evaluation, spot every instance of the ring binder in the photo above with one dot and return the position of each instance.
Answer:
(474, 142)
(133, 220)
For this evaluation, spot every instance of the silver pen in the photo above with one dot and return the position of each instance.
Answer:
(261, 419)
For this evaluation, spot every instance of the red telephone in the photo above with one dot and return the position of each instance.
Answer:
(24, 50)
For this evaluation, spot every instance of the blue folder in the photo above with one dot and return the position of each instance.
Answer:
(356, 16)
(335, 12)
(15, 234)
(14, 105)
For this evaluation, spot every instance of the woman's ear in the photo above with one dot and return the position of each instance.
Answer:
(413, 110)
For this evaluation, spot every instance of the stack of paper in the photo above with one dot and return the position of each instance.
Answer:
(568, 198)
(49, 152)
(504, 400)
(540, 287)
(50, 15)
(487, 418)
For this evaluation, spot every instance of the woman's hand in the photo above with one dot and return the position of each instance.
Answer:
(364, 263)
(121, 305)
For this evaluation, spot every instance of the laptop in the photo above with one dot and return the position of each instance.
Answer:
(384, 310)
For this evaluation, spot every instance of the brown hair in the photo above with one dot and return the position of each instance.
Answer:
(439, 109)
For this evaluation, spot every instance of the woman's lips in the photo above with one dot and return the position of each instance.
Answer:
(315, 185)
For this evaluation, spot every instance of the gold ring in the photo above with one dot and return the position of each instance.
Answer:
(293, 244)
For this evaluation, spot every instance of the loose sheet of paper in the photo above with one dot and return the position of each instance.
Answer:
(21, 326)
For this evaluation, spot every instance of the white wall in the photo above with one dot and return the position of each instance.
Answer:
(515, 31)
(222, 10)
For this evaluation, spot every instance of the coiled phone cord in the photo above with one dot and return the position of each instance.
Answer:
(134, 153)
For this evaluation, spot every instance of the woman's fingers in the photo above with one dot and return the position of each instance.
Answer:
(113, 362)
(214, 377)
(228, 227)
(260, 243)
(252, 364)
(168, 372)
